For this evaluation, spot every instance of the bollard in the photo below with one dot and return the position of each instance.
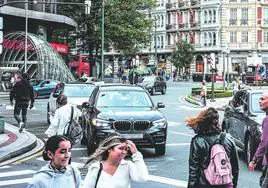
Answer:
(2, 125)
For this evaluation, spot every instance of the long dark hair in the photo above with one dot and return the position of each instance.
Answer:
(206, 122)
(52, 145)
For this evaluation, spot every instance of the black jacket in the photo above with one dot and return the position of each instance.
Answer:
(22, 92)
(200, 156)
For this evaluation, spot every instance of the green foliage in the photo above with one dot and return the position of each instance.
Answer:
(126, 28)
(183, 55)
(227, 93)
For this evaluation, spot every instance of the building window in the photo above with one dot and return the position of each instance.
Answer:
(205, 17)
(244, 36)
(233, 36)
(233, 16)
(162, 42)
(265, 15)
(214, 39)
(214, 16)
(162, 21)
(244, 20)
(265, 36)
(168, 39)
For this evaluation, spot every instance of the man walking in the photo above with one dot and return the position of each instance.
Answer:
(262, 148)
(22, 91)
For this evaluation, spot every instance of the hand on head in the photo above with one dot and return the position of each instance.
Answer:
(132, 147)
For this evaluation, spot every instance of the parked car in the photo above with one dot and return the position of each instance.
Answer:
(154, 84)
(126, 109)
(77, 93)
(243, 119)
(94, 80)
(35, 82)
(45, 88)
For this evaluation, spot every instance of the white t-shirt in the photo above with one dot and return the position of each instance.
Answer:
(126, 172)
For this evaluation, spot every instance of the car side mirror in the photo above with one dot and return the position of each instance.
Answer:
(160, 105)
(56, 95)
(87, 106)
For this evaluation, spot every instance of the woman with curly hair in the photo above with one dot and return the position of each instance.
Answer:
(208, 132)
(108, 169)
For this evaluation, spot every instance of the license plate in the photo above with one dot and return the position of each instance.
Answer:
(132, 136)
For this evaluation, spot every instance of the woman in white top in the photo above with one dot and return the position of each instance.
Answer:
(108, 164)
(62, 117)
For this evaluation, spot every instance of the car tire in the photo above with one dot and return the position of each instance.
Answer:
(91, 145)
(48, 116)
(35, 94)
(153, 91)
(249, 148)
(164, 89)
(160, 150)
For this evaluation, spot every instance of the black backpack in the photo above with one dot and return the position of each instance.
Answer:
(73, 130)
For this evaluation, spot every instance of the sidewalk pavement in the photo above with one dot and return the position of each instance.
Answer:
(4, 94)
(15, 146)
(218, 103)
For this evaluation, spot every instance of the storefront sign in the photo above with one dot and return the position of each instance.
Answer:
(60, 48)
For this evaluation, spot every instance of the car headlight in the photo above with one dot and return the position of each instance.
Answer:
(161, 123)
(100, 123)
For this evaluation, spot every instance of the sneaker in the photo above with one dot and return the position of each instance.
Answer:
(22, 126)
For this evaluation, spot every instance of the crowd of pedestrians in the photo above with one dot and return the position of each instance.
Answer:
(213, 159)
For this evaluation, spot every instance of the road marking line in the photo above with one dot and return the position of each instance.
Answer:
(168, 181)
(5, 167)
(79, 149)
(17, 181)
(16, 173)
(184, 134)
(172, 123)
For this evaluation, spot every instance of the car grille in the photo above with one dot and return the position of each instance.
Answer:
(122, 125)
(141, 125)
(128, 125)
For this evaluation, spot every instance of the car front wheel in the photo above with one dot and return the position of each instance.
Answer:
(160, 150)
(164, 90)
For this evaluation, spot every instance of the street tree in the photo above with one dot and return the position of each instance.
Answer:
(183, 55)
(127, 25)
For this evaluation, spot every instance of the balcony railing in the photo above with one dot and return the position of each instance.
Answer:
(171, 26)
(244, 22)
(232, 21)
(181, 4)
(181, 25)
(194, 2)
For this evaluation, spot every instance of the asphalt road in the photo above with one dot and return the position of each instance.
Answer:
(167, 171)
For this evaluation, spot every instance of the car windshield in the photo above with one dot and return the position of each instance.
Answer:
(123, 98)
(78, 90)
(148, 79)
(255, 103)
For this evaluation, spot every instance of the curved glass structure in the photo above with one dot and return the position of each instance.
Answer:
(43, 61)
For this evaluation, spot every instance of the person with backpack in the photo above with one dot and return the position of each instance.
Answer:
(58, 173)
(213, 159)
(62, 117)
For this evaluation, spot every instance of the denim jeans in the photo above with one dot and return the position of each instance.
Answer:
(264, 177)
(21, 107)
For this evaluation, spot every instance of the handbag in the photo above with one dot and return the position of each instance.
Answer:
(98, 175)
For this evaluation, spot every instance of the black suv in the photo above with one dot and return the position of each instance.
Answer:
(243, 120)
(126, 109)
(154, 84)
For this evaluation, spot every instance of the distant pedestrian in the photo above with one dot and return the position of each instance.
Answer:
(261, 152)
(203, 93)
(61, 117)
(208, 133)
(108, 169)
(235, 85)
(58, 173)
(22, 91)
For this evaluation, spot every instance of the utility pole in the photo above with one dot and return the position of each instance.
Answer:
(102, 41)
(223, 73)
(155, 42)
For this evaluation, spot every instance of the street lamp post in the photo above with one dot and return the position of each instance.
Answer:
(26, 38)
(102, 41)
(155, 42)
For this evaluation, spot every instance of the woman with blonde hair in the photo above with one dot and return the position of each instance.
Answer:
(108, 169)
(208, 132)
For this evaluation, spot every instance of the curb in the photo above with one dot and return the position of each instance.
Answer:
(192, 100)
(24, 143)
